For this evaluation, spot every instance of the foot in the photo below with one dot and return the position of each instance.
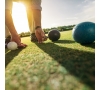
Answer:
(34, 38)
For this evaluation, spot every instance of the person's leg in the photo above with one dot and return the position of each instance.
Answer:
(28, 5)
(34, 8)
(30, 20)
(31, 25)
(29, 15)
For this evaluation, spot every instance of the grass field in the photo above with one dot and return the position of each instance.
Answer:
(61, 65)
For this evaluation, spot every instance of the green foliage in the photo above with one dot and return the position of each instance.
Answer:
(46, 30)
(24, 34)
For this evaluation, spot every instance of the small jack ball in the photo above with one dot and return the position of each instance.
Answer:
(12, 45)
(54, 35)
(84, 32)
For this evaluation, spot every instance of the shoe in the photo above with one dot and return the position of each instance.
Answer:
(7, 40)
(34, 38)
(45, 38)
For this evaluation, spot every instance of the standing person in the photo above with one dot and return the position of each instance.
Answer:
(33, 8)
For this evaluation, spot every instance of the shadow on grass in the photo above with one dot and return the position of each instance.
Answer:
(64, 41)
(81, 64)
(92, 45)
(10, 55)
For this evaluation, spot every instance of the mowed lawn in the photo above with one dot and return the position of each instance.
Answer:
(61, 65)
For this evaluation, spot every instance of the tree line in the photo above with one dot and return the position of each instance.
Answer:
(46, 30)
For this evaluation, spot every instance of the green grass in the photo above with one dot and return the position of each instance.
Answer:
(62, 65)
